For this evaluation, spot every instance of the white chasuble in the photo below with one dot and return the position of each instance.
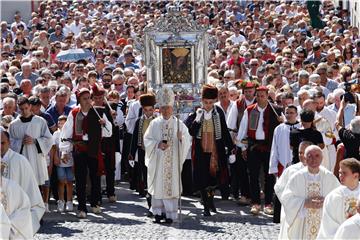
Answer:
(5, 224)
(350, 229)
(339, 205)
(164, 167)
(304, 223)
(16, 204)
(35, 153)
(279, 187)
(17, 168)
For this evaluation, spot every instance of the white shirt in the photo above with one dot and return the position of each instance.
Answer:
(237, 39)
(280, 148)
(226, 113)
(231, 119)
(132, 116)
(259, 134)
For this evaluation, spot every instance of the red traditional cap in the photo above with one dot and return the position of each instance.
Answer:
(248, 84)
(96, 90)
(121, 42)
(81, 91)
(262, 88)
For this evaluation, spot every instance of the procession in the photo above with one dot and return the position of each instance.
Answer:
(178, 106)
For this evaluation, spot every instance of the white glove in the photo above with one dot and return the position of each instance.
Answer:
(132, 163)
(199, 114)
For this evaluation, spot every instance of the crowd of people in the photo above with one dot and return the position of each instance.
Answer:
(278, 127)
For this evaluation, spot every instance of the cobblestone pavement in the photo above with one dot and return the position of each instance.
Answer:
(126, 219)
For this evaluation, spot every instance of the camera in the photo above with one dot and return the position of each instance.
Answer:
(348, 96)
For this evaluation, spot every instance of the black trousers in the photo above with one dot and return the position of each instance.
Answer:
(277, 210)
(239, 176)
(109, 162)
(186, 178)
(141, 173)
(83, 164)
(125, 167)
(54, 184)
(255, 160)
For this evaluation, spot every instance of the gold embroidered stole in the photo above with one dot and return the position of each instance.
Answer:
(168, 134)
(313, 216)
(350, 206)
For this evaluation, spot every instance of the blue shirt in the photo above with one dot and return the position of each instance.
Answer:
(349, 112)
(19, 76)
(331, 85)
(49, 120)
(54, 113)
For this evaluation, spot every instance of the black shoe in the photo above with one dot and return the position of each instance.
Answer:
(168, 220)
(149, 214)
(213, 209)
(157, 219)
(206, 213)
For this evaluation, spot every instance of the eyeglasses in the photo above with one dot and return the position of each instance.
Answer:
(254, 65)
(118, 84)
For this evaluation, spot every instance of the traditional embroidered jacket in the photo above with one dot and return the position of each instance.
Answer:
(220, 139)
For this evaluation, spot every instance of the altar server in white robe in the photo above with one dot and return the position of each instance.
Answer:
(283, 180)
(30, 136)
(281, 153)
(350, 229)
(304, 195)
(166, 147)
(17, 168)
(340, 204)
(15, 210)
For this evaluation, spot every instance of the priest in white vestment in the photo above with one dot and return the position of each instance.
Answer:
(17, 168)
(16, 204)
(329, 116)
(350, 229)
(5, 224)
(166, 147)
(303, 196)
(30, 136)
(283, 180)
(340, 204)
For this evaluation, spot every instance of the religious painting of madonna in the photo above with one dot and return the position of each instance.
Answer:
(176, 65)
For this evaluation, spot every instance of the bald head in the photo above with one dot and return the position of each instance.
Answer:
(313, 155)
(309, 104)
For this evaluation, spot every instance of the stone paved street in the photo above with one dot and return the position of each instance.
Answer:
(126, 219)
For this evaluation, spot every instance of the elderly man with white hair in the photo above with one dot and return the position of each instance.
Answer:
(302, 96)
(26, 73)
(304, 195)
(229, 75)
(316, 81)
(303, 79)
(349, 110)
(9, 107)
